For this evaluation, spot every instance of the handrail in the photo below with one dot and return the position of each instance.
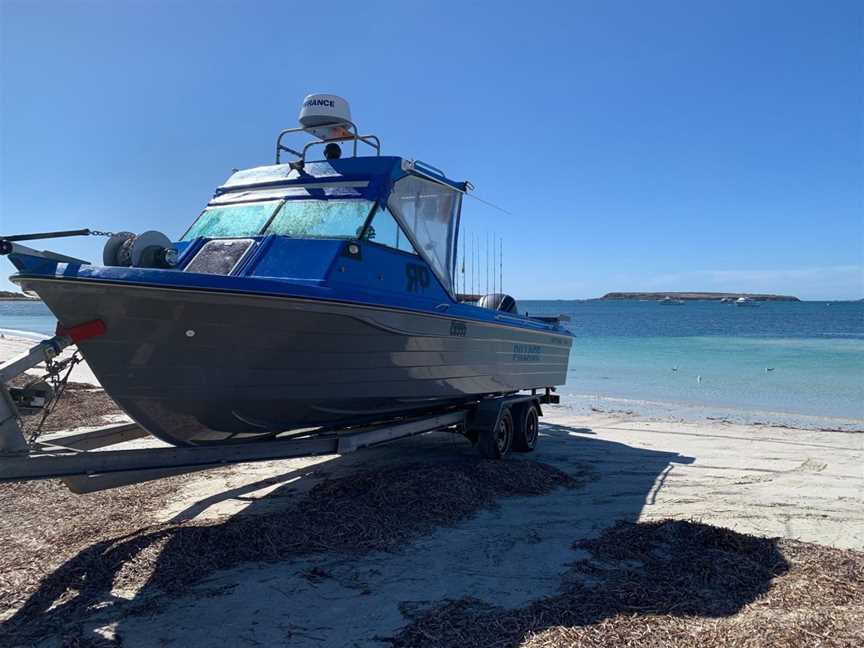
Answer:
(362, 138)
(430, 167)
(370, 140)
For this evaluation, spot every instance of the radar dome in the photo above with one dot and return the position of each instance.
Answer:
(325, 115)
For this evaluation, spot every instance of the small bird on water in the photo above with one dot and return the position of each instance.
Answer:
(767, 369)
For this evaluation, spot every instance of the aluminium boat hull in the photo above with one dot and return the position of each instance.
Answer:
(202, 366)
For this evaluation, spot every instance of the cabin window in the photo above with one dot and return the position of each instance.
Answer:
(384, 230)
(229, 221)
(321, 218)
(430, 211)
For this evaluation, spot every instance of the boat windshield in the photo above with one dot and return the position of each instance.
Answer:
(321, 218)
(295, 218)
(227, 221)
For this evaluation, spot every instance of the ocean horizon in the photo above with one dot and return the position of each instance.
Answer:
(784, 363)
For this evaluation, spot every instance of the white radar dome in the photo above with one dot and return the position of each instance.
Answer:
(325, 115)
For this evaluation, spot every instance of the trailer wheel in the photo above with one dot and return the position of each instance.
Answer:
(526, 428)
(496, 443)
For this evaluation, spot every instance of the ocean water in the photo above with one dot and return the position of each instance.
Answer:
(27, 317)
(795, 363)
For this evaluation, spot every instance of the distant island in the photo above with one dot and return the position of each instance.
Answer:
(5, 295)
(714, 296)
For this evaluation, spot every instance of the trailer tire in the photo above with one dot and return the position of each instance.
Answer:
(526, 428)
(495, 443)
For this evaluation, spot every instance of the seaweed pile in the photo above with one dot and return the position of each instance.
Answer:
(672, 583)
(107, 543)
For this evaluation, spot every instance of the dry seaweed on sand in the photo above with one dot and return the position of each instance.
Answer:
(369, 510)
(672, 583)
(42, 524)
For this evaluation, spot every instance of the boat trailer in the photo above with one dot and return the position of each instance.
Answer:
(495, 424)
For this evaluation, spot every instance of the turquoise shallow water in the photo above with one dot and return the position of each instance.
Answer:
(30, 317)
(703, 358)
(785, 362)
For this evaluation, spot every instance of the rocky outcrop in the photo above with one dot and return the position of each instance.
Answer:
(712, 296)
(5, 295)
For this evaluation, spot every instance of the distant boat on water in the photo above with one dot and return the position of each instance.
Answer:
(668, 301)
(746, 301)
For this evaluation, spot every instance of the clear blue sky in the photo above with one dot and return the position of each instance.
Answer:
(641, 145)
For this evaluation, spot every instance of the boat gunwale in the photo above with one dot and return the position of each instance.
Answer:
(18, 278)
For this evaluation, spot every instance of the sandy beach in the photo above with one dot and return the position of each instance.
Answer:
(707, 532)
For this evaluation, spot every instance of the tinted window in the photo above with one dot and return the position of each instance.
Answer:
(219, 257)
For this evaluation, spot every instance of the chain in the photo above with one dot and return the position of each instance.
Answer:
(54, 369)
(58, 385)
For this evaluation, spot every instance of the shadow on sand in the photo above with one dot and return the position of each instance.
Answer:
(637, 576)
(574, 487)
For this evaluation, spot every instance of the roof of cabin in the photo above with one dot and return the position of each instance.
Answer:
(379, 171)
(342, 169)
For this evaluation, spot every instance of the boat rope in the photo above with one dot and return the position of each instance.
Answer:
(58, 385)
(491, 204)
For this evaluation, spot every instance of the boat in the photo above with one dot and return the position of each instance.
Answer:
(308, 293)
(669, 301)
(746, 301)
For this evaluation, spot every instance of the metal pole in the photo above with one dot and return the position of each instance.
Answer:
(475, 263)
(487, 263)
(472, 263)
(464, 247)
(46, 235)
(501, 264)
(494, 264)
